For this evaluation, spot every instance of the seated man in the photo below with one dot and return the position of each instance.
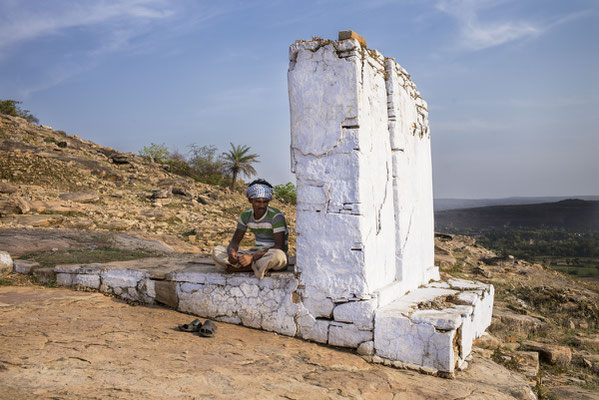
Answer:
(270, 230)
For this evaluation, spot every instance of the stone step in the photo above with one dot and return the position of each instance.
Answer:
(432, 328)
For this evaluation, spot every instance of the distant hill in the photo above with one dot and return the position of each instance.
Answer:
(571, 214)
(452, 204)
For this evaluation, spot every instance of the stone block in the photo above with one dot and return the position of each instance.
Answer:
(166, 293)
(44, 275)
(146, 290)
(360, 313)
(440, 319)
(313, 329)
(121, 278)
(6, 263)
(64, 279)
(24, 266)
(317, 304)
(344, 35)
(87, 280)
(398, 338)
(347, 335)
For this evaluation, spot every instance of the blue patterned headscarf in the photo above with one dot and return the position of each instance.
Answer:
(258, 190)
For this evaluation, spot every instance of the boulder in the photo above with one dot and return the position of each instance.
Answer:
(515, 323)
(550, 353)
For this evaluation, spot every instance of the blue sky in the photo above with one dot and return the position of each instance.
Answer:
(512, 86)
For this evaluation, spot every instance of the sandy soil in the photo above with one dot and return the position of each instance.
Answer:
(62, 344)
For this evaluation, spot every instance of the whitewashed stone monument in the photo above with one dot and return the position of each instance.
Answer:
(360, 149)
(364, 277)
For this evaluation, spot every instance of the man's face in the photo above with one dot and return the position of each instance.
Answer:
(259, 204)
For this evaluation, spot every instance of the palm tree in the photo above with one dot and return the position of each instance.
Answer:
(237, 160)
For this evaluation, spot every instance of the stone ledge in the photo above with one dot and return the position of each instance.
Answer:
(430, 329)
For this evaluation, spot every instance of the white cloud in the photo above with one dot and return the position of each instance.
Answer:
(100, 27)
(21, 23)
(478, 33)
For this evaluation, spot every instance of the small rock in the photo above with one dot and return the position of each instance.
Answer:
(62, 145)
(487, 341)
(23, 205)
(571, 324)
(119, 158)
(483, 352)
(584, 325)
(204, 200)
(480, 270)
(366, 348)
(528, 362)
(7, 188)
(6, 263)
(591, 361)
(181, 192)
(80, 197)
(161, 194)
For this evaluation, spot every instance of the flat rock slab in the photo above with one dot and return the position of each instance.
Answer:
(18, 242)
(108, 349)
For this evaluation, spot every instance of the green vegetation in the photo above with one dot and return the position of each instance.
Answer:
(575, 253)
(286, 192)
(237, 160)
(207, 167)
(85, 256)
(158, 153)
(203, 163)
(10, 107)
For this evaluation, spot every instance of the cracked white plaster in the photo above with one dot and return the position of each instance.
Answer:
(340, 154)
(347, 335)
(64, 279)
(360, 313)
(86, 280)
(121, 278)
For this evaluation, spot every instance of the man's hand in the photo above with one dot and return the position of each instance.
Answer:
(233, 257)
(245, 260)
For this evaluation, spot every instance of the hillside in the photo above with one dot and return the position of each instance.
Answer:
(49, 179)
(63, 197)
(452, 204)
(572, 214)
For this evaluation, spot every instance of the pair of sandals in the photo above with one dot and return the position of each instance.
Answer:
(206, 329)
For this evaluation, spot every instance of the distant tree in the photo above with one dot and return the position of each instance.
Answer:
(179, 165)
(206, 165)
(286, 192)
(156, 152)
(10, 107)
(237, 160)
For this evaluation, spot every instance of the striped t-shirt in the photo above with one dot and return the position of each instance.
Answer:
(273, 221)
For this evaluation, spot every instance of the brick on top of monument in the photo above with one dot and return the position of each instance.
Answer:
(344, 35)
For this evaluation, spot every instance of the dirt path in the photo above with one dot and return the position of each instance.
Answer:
(62, 344)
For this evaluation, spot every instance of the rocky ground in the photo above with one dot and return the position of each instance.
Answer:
(62, 344)
(49, 179)
(63, 197)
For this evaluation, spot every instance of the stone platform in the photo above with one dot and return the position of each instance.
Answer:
(430, 328)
